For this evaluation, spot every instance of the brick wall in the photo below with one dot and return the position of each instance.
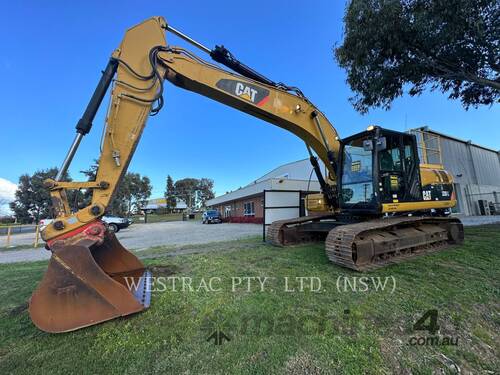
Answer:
(238, 212)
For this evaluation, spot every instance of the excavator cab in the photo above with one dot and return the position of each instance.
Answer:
(378, 167)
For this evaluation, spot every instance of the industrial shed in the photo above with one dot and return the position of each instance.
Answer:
(153, 205)
(247, 203)
(475, 169)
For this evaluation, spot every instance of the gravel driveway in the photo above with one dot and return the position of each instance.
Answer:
(143, 236)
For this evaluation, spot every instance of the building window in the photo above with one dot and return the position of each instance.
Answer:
(249, 209)
(227, 211)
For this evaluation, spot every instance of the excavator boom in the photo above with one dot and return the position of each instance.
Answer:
(89, 275)
(139, 67)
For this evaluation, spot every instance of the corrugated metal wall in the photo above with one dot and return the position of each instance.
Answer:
(457, 160)
(476, 172)
(486, 165)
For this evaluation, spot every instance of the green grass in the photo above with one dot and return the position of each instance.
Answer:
(154, 218)
(170, 338)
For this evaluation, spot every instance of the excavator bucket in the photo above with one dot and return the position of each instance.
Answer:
(88, 283)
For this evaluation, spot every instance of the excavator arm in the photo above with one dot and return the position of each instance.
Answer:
(91, 278)
(139, 67)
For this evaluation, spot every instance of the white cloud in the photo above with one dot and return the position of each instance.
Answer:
(7, 193)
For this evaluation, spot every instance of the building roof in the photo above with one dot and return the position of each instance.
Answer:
(291, 176)
(269, 184)
(296, 170)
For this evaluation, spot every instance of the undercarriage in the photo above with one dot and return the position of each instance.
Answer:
(372, 243)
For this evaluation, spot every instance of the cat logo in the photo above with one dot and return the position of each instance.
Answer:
(251, 93)
(245, 92)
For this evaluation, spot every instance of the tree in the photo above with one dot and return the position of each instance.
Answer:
(206, 188)
(187, 187)
(140, 191)
(32, 199)
(170, 198)
(91, 174)
(391, 45)
(132, 193)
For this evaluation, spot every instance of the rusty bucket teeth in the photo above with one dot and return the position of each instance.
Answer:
(86, 285)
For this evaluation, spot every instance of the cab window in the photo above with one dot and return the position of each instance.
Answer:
(357, 173)
(390, 158)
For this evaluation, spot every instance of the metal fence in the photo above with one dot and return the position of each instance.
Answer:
(16, 228)
(19, 235)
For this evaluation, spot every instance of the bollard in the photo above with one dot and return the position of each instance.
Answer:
(37, 235)
(8, 236)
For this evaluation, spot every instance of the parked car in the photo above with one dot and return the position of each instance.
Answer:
(44, 222)
(211, 216)
(115, 223)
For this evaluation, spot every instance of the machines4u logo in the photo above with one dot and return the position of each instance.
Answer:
(429, 322)
(254, 94)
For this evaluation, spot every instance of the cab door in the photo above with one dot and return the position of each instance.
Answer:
(357, 174)
(398, 169)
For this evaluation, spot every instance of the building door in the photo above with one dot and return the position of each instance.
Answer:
(458, 194)
(280, 205)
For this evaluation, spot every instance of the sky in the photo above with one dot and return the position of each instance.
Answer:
(53, 53)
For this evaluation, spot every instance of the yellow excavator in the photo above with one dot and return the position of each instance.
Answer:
(378, 204)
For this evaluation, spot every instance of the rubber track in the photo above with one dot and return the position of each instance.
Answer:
(275, 234)
(341, 240)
